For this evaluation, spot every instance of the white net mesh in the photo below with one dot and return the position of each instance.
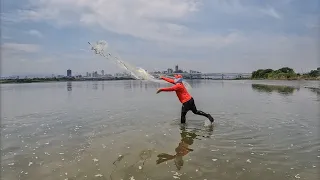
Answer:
(102, 48)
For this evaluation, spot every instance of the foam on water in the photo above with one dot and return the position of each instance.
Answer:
(207, 123)
(102, 48)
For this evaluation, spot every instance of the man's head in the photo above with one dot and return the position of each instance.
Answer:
(178, 78)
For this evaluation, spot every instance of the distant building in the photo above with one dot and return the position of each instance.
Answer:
(192, 71)
(102, 72)
(170, 70)
(87, 74)
(69, 74)
(177, 68)
(318, 68)
(94, 74)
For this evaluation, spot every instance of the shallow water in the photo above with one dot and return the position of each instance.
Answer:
(123, 130)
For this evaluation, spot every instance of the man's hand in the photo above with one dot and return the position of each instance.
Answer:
(159, 90)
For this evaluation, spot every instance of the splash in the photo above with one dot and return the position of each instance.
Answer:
(102, 48)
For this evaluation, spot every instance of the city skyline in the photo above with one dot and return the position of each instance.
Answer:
(210, 36)
(169, 70)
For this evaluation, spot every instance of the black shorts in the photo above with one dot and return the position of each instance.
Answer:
(189, 105)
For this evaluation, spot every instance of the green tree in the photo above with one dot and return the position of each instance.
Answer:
(314, 73)
(286, 70)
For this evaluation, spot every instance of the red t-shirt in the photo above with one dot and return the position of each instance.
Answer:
(179, 88)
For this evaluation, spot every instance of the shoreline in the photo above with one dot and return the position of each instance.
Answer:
(44, 80)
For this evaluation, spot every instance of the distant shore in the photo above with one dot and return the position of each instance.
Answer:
(64, 79)
(284, 73)
(43, 80)
(261, 74)
(290, 79)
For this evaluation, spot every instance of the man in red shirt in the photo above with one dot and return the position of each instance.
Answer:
(184, 97)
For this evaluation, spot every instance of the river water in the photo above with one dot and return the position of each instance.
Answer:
(124, 130)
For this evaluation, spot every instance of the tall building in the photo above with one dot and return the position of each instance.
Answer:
(69, 74)
(177, 68)
(102, 72)
(87, 74)
(170, 70)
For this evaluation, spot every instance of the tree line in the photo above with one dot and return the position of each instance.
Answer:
(283, 73)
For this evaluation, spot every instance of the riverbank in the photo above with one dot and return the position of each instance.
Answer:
(290, 78)
(39, 80)
(44, 80)
(284, 73)
(65, 79)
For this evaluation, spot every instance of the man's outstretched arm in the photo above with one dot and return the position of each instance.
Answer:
(167, 79)
(172, 88)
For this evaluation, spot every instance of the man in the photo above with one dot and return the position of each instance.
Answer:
(184, 97)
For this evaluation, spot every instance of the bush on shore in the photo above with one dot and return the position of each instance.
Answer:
(284, 73)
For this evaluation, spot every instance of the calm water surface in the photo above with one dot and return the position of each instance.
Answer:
(123, 130)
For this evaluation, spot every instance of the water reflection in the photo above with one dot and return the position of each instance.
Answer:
(137, 84)
(316, 91)
(95, 85)
(195, 83)
(69, 86)
(183, 148)
(285, 90)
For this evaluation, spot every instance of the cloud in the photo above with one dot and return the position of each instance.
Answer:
(6, 37)
(271, 12)
(211, 36)
(147, 19)
(153, 20)
(16, 47)
(150, 20)
(36, 33)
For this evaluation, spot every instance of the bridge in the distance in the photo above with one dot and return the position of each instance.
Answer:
(209, 75)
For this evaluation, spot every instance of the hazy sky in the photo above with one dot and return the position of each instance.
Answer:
(50, 36)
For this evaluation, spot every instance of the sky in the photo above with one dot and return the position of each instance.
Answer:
(50, 36)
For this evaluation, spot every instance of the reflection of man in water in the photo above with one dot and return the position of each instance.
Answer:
(182, 149)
